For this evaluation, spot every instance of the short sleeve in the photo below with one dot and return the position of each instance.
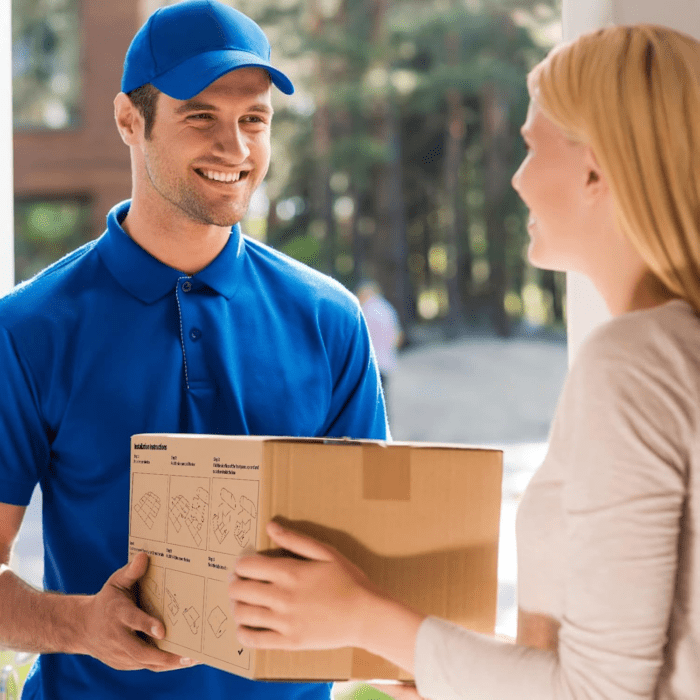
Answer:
(357, 407)
(24, 446)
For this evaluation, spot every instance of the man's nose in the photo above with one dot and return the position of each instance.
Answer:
(232, 143)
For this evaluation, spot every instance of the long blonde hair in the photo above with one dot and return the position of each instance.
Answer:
(632, 93)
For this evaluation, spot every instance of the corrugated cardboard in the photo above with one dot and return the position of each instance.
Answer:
(420, 519)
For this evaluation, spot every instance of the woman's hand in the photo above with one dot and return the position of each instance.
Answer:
(321, 602)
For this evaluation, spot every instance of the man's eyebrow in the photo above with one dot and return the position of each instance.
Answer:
(194, 106)
(265, 109)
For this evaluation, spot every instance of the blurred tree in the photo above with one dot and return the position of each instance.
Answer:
(399, 163)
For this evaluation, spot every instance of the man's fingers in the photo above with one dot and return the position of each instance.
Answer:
(129, 574)
(299, 544)
(144, 654)
(139, 621)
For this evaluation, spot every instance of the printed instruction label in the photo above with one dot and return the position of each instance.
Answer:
(194, 509)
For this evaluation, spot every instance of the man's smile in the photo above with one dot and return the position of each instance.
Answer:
(219, 176)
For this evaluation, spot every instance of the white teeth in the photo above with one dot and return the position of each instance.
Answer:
(221, 177)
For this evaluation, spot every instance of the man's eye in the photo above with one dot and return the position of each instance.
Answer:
(202, 116)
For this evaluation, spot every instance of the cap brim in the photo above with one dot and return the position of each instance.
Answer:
(192, 76)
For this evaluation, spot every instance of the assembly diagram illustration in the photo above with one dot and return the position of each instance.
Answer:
(234, 515)
(173, 607)
(219, 636)
(190, 526)
(150, 591)
(148, 512)
(147, 509)
(188, 511)
(217, 621)
(184, 603)
(192, 618)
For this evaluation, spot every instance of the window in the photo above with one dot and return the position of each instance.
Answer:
(45, 230)
(45, 64)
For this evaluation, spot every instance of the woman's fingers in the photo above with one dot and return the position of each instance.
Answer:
(262, 639)
(259, 567)
(300, 544)
(255, 616)
(258, 593)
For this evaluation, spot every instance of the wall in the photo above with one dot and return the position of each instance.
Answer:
(7, 264)
(90, 160)
(585, 307)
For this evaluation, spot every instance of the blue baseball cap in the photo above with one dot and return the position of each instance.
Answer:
(185, 47)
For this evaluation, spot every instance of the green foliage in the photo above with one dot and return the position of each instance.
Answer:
(304, 248)
(46, 231)
(387, 84)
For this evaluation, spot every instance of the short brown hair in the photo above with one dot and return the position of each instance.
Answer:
(145, 98)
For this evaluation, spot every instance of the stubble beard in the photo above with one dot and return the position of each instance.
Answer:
(185, 199)
(203, 213)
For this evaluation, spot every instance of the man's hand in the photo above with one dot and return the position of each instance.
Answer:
(111, 620)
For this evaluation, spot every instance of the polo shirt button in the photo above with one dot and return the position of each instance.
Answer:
(195, 334)
(186, 286)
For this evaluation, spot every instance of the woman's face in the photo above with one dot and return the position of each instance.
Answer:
(553, 181)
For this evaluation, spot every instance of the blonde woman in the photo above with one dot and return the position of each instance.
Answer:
(609, 555)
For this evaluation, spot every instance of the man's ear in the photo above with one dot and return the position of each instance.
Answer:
(129, 120)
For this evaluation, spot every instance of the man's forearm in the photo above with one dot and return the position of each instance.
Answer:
(35, 621)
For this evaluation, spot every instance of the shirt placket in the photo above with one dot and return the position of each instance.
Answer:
(191, 333)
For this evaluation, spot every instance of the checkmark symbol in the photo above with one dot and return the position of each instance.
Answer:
(240, 651)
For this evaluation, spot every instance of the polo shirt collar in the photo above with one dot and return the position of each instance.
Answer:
(147, 278)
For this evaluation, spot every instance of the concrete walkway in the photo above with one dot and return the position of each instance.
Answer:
(478, 391)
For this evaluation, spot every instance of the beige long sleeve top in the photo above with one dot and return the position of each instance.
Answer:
(607, 534)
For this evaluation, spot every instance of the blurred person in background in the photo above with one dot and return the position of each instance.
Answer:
(172, 321)
(608, 528)
(384, 330)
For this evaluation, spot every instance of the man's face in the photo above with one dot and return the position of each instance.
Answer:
(207, 155)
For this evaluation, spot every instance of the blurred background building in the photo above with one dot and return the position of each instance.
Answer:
(71, 166)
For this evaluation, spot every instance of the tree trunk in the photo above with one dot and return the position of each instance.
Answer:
(494, 124)
(390, 237)
(454, 151)
(322, 198)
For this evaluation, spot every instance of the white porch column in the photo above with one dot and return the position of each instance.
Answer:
(7, 252)
(585, 307)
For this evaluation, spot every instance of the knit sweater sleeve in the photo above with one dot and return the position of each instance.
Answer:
(622, 432)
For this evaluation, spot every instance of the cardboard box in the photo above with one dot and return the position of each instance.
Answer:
(420, 519)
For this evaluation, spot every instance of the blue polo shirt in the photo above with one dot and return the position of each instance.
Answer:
(109, 342)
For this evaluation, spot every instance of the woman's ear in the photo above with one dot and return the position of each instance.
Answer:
(596, 183)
